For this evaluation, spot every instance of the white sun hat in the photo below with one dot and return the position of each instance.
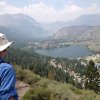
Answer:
(4, 43)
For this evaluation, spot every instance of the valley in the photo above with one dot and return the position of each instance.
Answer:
(66, 48)
(51, 48)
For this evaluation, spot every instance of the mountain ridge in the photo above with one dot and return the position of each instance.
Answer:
(78, 33)
(83, 20)
(21, 27)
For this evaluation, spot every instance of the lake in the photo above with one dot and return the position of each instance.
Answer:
(74, 51)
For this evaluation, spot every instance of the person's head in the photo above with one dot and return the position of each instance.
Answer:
(3, 53)
(4, 44)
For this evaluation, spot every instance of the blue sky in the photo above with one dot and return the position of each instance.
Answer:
(55, 3)
(51, 10)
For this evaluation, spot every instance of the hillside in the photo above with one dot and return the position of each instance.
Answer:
(89, 19)
(48, 89)
(22, 88)
(84, 20)
(21, 27)
(43, 65)
(79, 33)
(38, 80)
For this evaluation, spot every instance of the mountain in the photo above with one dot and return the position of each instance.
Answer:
(84, 20)
(20, 27)
(53, 27)
(90, 19)
(78, 33)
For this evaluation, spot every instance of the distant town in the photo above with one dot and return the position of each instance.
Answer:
(47, 44)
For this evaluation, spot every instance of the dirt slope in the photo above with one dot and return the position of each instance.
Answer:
(22, 88)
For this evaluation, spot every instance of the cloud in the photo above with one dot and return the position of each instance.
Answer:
(43, 13)
(93, 9)
(36, 1)
(5, 8)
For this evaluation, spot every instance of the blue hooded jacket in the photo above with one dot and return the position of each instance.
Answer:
(7, 81)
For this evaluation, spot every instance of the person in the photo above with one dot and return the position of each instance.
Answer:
(7, 73)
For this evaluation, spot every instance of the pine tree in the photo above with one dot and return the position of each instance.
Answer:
(92, 77)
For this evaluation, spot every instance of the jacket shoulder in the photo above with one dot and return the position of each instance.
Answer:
(6, 66)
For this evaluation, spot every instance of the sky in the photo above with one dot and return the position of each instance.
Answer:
(48, 11)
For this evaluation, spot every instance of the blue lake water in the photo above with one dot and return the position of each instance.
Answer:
(73, 51)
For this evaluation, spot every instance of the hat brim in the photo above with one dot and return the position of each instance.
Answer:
(5, 46)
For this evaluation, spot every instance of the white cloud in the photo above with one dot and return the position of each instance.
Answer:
(5, 8)
(93, 9)
(43, 13)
